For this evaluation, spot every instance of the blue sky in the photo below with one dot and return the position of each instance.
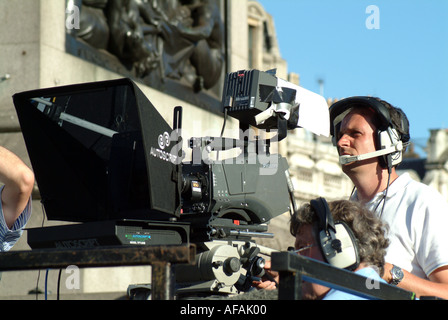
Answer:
(404, 62)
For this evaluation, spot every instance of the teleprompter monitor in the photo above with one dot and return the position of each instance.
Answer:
(99, 151)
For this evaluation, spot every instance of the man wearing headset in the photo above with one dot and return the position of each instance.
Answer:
(370, 136)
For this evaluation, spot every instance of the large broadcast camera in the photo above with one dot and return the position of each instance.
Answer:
(105, 159)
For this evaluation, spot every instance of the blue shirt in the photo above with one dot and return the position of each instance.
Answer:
(368, 272)
(9, 237)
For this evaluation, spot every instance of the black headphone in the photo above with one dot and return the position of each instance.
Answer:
(389, 134)
(337, 241)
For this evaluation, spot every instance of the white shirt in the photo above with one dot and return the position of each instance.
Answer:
(417, 216)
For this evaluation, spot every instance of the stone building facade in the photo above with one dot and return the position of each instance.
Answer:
(434, 170)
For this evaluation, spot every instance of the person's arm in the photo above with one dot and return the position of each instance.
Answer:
(437, 286)
(19, 182)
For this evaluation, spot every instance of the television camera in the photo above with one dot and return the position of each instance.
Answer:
(105, 159)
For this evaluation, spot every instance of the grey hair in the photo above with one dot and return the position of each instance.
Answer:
(369, 230)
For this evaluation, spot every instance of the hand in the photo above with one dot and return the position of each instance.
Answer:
(264, 285)
(269, 281)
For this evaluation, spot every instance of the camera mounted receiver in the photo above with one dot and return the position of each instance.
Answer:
(262, 100)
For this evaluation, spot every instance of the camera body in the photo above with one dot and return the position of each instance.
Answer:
(232, 199)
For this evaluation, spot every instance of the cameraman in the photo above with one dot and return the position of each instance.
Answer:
(368, 237)
(363, 127)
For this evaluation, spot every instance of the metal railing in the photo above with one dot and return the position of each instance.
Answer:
(161, 259)
(294, 268)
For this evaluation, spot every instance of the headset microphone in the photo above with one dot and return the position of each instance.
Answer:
(398, 147)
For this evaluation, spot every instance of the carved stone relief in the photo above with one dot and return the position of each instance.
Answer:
(156, 40)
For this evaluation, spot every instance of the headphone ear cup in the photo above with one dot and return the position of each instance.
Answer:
(339, 248)
(386, 139)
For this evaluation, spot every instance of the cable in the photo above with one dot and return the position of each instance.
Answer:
(222, 130)
(46, 284)
(292, 199)
(353, 192)
(59, 285)
(383, 199)
(224, 123)
(389, 170)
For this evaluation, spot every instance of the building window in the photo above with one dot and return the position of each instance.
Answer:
(332, 181)
(305, 175)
